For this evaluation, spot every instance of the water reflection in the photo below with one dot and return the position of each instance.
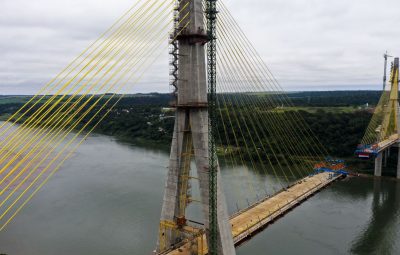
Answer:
(381, 232)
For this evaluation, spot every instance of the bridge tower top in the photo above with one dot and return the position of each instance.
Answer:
(391, 118)
(385, 56)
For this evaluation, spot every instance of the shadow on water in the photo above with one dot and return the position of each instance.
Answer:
(379, 235)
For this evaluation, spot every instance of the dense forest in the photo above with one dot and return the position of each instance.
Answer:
(334, 98)
(337, 118)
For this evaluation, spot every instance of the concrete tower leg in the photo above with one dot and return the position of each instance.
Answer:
(378, 164)
(171, 201)
(192, 120)
(199, 123)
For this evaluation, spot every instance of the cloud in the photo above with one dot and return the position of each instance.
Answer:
(308, 44)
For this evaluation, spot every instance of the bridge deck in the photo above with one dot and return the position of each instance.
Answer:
(256, 217)
(388, 142)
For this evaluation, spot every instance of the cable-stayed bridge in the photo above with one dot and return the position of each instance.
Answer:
(383, 131)
(228, 108)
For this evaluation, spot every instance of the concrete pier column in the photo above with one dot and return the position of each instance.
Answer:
(378, 164)
(191, 135)
(385, 157)
(398, 164)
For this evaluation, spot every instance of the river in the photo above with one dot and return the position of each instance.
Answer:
(107, 200)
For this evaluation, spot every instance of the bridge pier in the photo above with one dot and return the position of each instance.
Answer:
(385, 157)
(398, 163)
(378, 164)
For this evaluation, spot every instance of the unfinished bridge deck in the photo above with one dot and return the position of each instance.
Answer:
(249, 221)
(390, 141)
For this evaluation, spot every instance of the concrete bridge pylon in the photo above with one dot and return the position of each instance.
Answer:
(389, 132)
(191, 140)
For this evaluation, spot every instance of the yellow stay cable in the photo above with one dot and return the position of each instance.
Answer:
(232, 120)
(231, 163)
(221, 103)
(76, 112)
(65, 135)
(43, 90)
(53, 116)
(74, 149)
(225, 62)
(60, 90)
(237, 107)
(309, 169)
(255, 77)
(38, 120)
(370, 135)
(231, 74)
(265, 70)
(252, 131)
(38, 155)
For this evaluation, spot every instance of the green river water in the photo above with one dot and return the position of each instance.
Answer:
(106, 200)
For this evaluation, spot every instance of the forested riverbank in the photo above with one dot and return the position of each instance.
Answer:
(338, 119)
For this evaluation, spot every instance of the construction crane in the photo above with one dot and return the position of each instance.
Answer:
(385, 56)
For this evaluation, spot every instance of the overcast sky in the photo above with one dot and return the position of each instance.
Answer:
(308, 44)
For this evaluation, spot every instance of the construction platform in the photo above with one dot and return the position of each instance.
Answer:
(246, 223)
(372, 150)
